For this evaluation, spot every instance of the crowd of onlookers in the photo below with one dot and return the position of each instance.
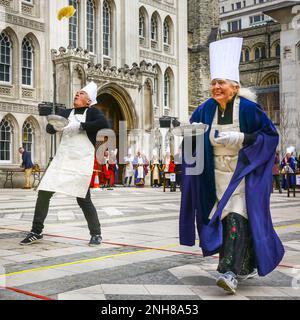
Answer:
(108, 173)
(134, 170)
(284, 171)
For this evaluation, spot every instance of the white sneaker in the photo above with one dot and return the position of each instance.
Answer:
(248, 276)
(228, 282)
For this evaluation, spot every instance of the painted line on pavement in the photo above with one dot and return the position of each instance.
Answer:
(27, 293)
(146, 249)
(78, 262)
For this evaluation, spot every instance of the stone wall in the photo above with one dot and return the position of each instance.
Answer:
(203, 29)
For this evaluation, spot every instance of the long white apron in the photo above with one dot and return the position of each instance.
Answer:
(225, 160)
(129, 171)
(71, 169)
(140, 168)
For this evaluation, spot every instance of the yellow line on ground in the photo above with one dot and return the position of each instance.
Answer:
(287, 226)
(84, 261)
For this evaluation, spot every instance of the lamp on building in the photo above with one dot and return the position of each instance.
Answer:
(166, 121)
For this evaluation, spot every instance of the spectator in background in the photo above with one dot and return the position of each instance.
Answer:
(155, 171)
(27, 165)
(140, 164)
(288, 166)
(128, 169)
(276, 172)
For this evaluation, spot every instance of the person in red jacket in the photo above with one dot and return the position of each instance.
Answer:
(172, 171)
(107, 169)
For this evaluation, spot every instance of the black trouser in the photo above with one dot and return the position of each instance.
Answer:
(237, 252)
(125, 182)
(277, 182)
(42, 207)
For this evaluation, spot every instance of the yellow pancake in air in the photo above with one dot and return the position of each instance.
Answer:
(66, 12)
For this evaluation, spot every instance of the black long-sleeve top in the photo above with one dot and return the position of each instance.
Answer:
(95, 121)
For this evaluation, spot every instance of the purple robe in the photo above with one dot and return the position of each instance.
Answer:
(255, 163)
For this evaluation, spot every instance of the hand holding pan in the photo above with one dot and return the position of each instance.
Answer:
(58, 122)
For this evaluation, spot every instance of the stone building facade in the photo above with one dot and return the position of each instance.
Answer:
(260, 64)
(236, 15)
(203, 29)
(288, 15)
(136, 52)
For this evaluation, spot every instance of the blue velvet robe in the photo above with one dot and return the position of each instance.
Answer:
(255, 163)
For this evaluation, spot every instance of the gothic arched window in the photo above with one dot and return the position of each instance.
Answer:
(154, 29)
(6, 138)
(27, 62)
(73, 25)
(277, 51)
(28, 138)
(257, 53)
(142, 32)
(106, 28)
(247, 55)
(90, 25)
(166, 90)
(5, 58)
(166, 32)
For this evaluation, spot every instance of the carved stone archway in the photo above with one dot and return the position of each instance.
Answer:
(124, 101)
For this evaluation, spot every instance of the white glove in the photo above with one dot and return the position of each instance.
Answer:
(72, 128)
(230, 138)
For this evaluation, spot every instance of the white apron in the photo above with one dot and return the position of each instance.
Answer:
(71, 169)
(140, 168)
(156, 173)
(129, 171)
(225, 160)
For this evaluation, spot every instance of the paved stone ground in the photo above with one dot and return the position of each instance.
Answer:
(140, 258)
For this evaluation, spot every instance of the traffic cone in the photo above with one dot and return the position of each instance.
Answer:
(96, 182)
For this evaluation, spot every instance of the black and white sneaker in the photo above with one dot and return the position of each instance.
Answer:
(31, 238)
(228, 282)
(95, 241)
(248, 276)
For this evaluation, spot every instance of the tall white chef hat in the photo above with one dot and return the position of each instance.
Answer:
(290, 150)
(91, 90)
(130, 151)
(225, 58)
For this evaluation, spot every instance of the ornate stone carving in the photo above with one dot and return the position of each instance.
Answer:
(23, 22)
(132, 74)
(70, 52)
(5, 91)
(27, 93)
(157, 57)
(27, 9)
(162, 6)
(18, 108)
(5, 3)
(166, 112)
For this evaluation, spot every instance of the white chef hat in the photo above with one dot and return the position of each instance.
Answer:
(225, 58)
(154, 152)
(91, 90)
(290, 150)
(129, 151)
